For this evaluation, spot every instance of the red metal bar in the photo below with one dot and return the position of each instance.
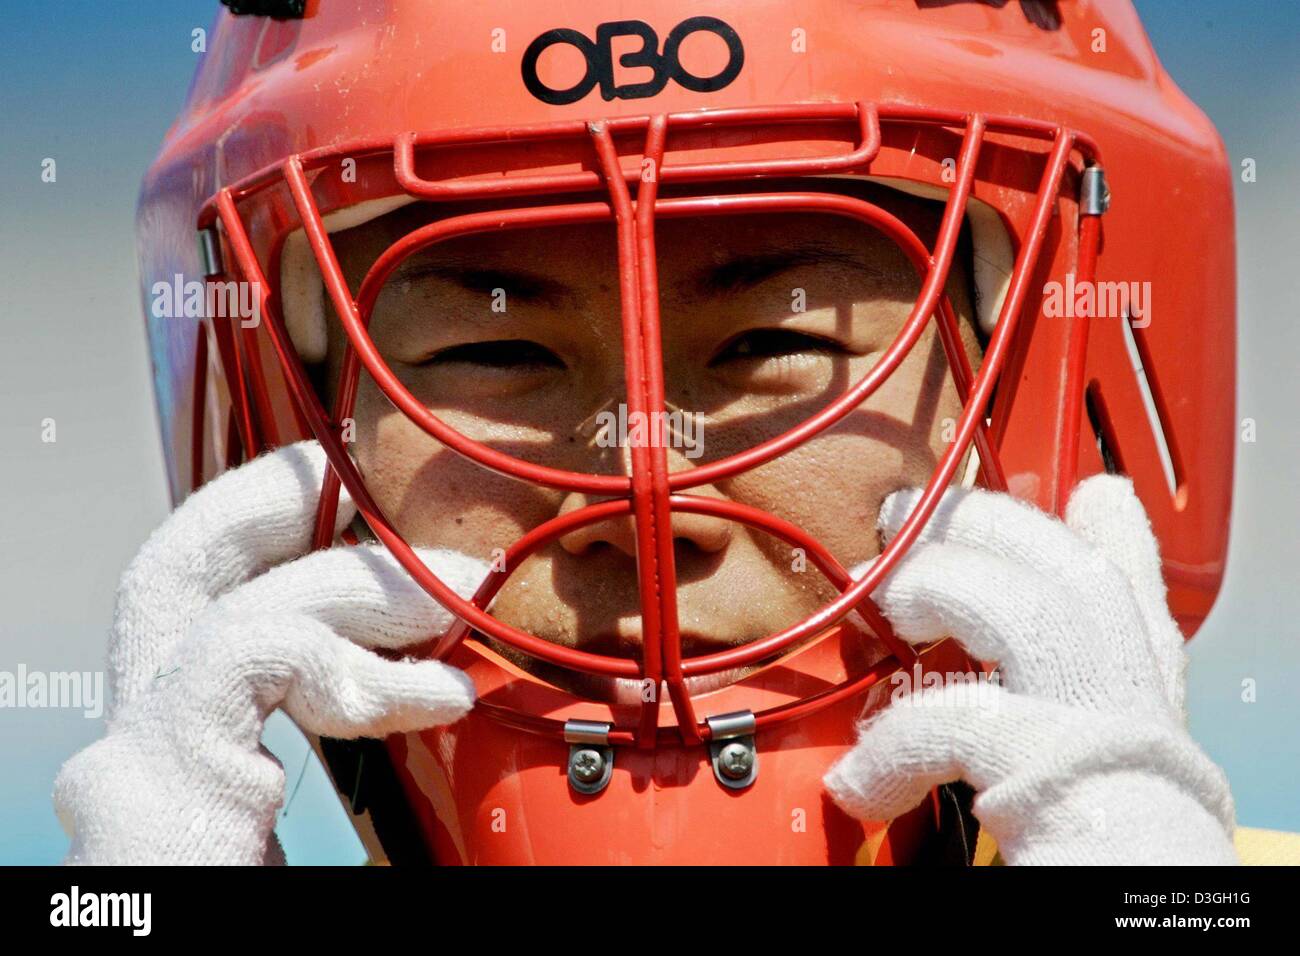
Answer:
(232, 365)
(868, 144)
(999, 345)
(1071, 422)
(198, 405)
(651, 338)
(234, 448)
(576, 129)
(303, 393)
(655, 578)
(907, 240)
(764, 719)
(267, 431)
(930, 298)
(345, 400)
(706, 205)
(755, 518)
(950, 336)
(647, 495)
(529, 217)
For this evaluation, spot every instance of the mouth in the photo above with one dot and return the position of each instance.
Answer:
(626, 643)
(629, 691)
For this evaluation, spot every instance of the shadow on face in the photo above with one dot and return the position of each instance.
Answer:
(515, 339)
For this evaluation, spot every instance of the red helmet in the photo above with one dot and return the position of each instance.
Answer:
(304, 118)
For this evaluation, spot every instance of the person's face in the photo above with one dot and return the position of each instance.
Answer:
(514, 339)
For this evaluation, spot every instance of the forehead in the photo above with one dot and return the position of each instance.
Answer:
(586, 254)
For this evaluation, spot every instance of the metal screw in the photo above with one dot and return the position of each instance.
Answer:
(735, 760)
(588, 765)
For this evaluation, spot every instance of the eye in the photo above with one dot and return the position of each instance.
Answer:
(516, 355)
(758, 344)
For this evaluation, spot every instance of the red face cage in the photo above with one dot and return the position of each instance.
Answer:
(650, 494)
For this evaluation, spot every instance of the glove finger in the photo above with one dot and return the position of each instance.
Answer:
(1105, 511)
(232, 529)
(360, 694)
(1043, 642)
(361, 593)
(977, 734)
(242, 669)
(1020, 533)
(997, 523)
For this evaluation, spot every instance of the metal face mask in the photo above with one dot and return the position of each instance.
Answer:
(539, 774)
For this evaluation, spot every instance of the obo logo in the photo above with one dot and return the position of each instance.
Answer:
(600, 60)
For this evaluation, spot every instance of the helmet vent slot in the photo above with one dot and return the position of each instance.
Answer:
(1160, 435)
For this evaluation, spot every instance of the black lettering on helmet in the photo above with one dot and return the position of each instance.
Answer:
(648, 55)
(590, 52)
(704, 84)
(599, 58)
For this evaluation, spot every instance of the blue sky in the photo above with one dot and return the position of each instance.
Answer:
(95, 85)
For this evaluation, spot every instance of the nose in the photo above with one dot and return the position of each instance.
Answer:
(705, 532)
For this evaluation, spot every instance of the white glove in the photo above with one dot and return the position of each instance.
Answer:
(1081, 755)
(210, 636)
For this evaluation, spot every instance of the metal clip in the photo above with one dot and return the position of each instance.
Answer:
(210, 252)
(1094, 192)
(591, 758)
(732, 749)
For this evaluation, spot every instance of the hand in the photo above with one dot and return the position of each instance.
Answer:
(213, 631)
(1080, 756)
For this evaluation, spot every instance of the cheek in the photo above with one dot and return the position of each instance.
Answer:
(921, 394)
(435, 497)
(833, 485)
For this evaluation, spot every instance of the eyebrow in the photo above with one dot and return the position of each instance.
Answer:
(735, 275)
(746, 271)
(518, 283)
